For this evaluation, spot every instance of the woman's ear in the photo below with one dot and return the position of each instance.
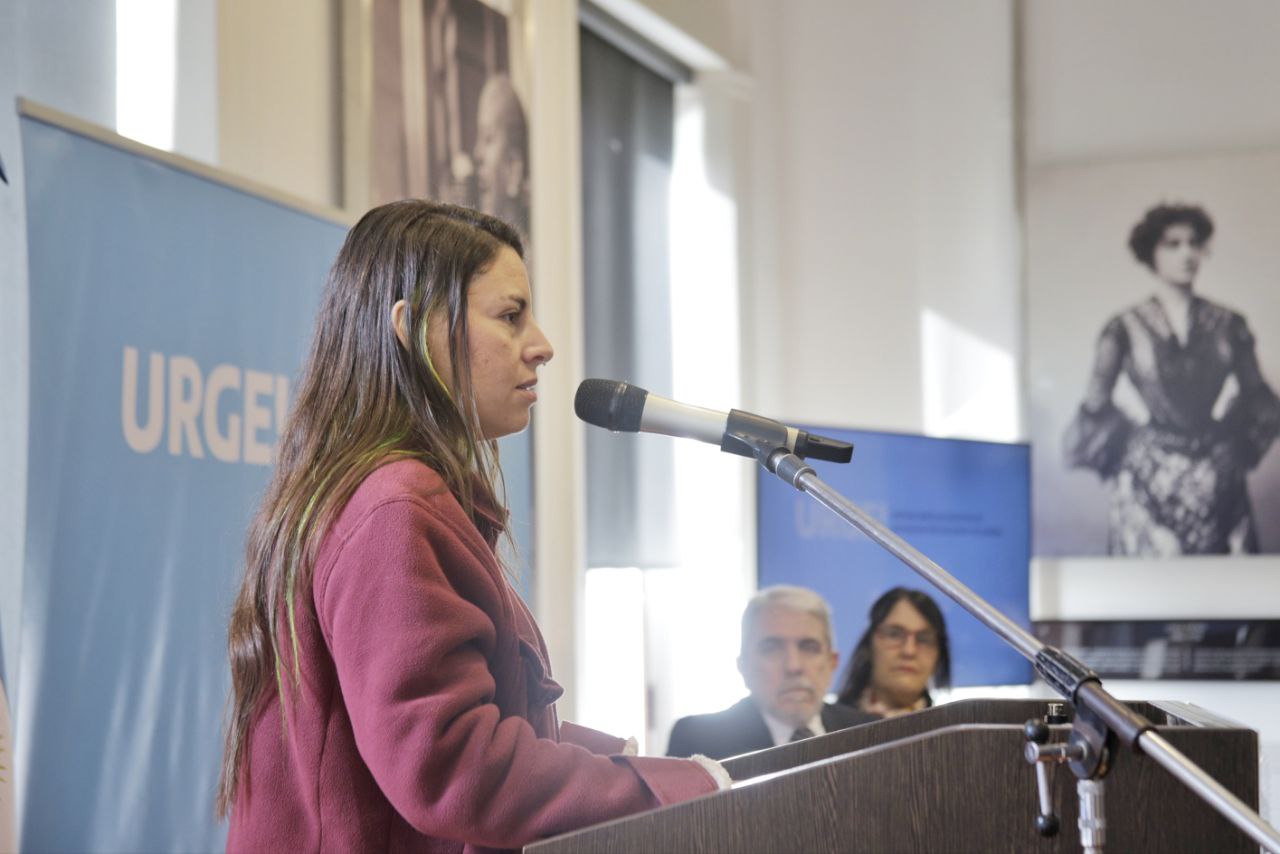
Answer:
(400, 322)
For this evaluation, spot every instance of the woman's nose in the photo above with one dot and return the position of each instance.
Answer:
(539, 350)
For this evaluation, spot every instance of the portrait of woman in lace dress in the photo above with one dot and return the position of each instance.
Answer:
(1176, 481)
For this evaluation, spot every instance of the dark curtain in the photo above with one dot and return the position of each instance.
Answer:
(627, 134)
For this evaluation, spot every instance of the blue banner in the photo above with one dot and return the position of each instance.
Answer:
(170, 314)
(964, 504)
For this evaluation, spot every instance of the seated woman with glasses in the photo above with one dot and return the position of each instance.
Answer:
(903, 650)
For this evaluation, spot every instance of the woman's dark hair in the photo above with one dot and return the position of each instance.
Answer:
(1147, 233)
(363, 400)
(858, 675)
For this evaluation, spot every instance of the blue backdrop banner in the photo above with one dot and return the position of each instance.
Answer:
(169, 316)
(964, 504)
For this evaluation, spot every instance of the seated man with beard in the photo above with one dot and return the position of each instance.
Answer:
(787, 659)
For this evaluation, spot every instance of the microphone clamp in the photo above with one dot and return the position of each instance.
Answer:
(746, 434)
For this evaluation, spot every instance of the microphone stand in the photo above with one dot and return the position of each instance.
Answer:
(1101, 721)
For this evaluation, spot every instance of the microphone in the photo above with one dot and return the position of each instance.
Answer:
(625, 408)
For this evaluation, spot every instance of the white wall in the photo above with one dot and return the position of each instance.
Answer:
(883, 166)
(196, 64)
(279, 95)
(1149, 77)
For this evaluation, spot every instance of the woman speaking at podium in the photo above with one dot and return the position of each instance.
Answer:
(390, 691)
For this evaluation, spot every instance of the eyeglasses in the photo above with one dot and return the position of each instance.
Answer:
(897, 636)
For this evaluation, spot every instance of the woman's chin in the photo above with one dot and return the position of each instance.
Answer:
(904, 694)
(506, 428)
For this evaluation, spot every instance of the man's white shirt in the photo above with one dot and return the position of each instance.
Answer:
(781, 730)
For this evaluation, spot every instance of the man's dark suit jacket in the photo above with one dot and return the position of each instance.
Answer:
(741, 729)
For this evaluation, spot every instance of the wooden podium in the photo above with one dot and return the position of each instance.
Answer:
(951, 778)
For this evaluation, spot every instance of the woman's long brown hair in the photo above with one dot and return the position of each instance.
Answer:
(363, 399)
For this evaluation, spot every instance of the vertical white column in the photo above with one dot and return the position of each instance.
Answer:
(551, 28)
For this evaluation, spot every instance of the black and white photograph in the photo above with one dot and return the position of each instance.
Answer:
(449, 120)
(1154, 354)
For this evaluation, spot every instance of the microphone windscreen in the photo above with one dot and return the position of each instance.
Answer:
(610, 404)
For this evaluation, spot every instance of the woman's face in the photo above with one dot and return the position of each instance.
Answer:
(904, 655)
(1177, 255)
(505, 346)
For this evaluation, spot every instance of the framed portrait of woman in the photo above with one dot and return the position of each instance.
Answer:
(1154, 354)
(1153, 344)
(436, 104)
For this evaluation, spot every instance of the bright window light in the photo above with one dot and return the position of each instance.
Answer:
(146, 70)
(704, 274)
(704, 343)
(694, 634)
(662, 643)
(613, 659)
(695, 608)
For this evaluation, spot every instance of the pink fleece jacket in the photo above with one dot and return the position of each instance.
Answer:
(425, 720)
